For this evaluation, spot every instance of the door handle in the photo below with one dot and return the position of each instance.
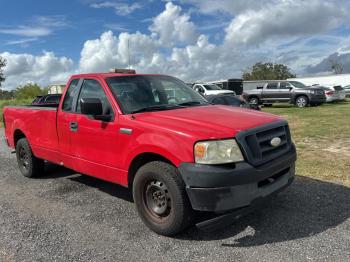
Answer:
(73, 126)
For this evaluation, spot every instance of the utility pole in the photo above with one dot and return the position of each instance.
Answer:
(129, 65)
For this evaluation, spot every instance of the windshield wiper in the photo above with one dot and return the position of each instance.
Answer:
(155, 108)
(192, 103)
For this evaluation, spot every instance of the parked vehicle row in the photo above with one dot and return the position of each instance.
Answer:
(211, 89)
(269, 92)
(347, 90)
(155, 135)
(230, 100)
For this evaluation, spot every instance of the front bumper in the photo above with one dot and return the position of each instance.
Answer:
(224, 188)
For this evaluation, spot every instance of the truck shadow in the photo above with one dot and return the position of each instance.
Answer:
(307, 208)
(54, 172)
(106, 187)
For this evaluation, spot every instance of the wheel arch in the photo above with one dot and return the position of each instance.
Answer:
(17, 135)
(141, 160)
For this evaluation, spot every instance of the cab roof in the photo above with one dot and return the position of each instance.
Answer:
(107, 75)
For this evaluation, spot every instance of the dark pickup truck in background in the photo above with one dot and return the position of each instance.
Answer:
(269, 92)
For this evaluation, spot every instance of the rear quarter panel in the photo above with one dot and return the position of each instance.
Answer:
(37, 124)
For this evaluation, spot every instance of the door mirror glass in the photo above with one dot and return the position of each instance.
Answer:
(91, 106)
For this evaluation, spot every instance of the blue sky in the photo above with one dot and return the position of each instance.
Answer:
(46, 41)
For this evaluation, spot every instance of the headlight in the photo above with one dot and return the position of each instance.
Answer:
(217, 152)
(312, 92)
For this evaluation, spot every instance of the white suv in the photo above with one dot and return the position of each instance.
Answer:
(211, 89)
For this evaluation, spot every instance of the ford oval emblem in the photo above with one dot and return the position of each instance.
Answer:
(275, 142)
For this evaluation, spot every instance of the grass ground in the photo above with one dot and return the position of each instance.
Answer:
(321, 135)
(322, 138)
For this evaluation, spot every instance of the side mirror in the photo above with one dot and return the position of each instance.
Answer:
(93, 108)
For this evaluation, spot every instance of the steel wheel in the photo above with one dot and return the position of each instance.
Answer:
(253, 101)
(157, 199)
(29, 165)
(24, 158)
(161, 199)
(301, 101)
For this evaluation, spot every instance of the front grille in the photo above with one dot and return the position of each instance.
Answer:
(256, 143)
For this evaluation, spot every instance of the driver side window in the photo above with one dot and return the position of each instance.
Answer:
(92, 89)
(285, 85)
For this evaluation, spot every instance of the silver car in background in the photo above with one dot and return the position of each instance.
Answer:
(347, 90)
(333, 93)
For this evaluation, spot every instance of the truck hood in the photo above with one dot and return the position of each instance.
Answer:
(206, 122)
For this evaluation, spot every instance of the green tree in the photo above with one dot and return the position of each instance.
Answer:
(2, 65)
(268, 71)
(5, 95)
(30, 90)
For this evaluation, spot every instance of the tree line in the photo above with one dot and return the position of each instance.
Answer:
(28, 91)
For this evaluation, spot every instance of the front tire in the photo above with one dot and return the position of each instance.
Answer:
(160, 198)
(301, 101)
(29, 165)
(253, 101)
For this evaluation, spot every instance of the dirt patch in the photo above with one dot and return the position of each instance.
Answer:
(342, 147)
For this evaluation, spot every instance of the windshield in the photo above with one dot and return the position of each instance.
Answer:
(297, 84)
(212, 87)
(152, 93)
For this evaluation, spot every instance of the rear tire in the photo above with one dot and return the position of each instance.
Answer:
(301, 101)
(29, 165)
(161, 199)
(253, 101)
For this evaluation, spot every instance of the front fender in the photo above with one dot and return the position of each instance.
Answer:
(173, 148)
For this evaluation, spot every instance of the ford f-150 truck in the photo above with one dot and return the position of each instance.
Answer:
(274, 91)
(154, 134)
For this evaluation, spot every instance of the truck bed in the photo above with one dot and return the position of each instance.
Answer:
(37, 123)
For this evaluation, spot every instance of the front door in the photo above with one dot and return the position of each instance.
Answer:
(94, 143)
(285, 91)
(65, 118)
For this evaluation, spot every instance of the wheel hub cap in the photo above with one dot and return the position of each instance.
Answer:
(157, 198)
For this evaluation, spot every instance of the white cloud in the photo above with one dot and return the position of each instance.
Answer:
(287, 18)
(173, 26)
(116, 27)
(27, 31)
(112, 51)
(22, 42)
(298, 33)
(120, 8)
(42, 69)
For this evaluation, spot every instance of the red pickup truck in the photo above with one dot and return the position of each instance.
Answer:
(154, 134)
